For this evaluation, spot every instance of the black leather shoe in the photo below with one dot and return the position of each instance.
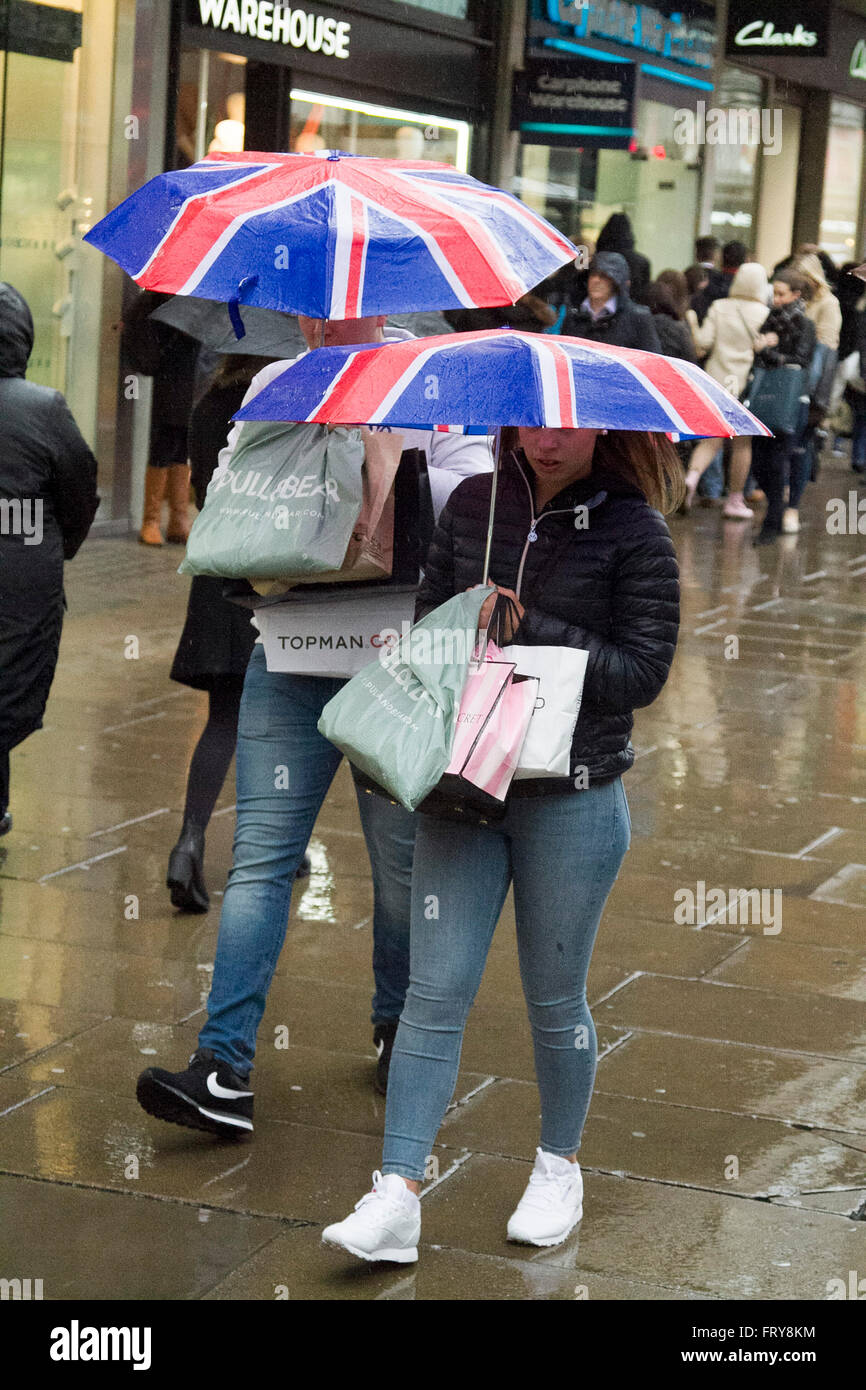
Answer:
(185, 878)
(383, 1039)
(5, 823)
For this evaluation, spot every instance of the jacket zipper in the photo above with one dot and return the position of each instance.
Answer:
(532, 535)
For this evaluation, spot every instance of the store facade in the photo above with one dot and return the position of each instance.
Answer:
(641, 165)
(96, 96)
(65, 70)
(386, 78)
(813, 191)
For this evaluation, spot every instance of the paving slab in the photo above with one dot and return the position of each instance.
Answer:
(737, 1079)
(726, 1246)
(95, 1140)
(773, 963)
(68, 1238)
(296, 1266)
(670, 1143)
(819, 1025)
(26, 1028)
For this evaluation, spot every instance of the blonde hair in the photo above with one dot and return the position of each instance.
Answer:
(647, 461)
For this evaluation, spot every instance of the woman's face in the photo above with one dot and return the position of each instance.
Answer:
(558, 457)
(783, 294)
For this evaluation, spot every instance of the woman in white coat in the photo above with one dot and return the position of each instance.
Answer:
(730, 336)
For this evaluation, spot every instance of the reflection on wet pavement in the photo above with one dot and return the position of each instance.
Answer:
(725, 1151)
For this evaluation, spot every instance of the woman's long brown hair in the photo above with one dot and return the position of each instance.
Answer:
(648, 461)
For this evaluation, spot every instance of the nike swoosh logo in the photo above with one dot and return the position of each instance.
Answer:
(221, 1092)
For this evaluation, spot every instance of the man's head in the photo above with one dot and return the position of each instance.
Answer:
(734, 254)
(342, 332)
(707, 250)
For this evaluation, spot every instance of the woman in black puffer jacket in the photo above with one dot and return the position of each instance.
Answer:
(580, 548)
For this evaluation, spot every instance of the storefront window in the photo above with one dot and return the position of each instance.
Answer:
(334, 123)
(840, 208)
(655, 182)
(55, 148)
(736, 185)
(211, 105)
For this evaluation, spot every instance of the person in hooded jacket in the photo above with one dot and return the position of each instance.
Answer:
(607, 314)
(48, 500)
(730, 336)
(609, 587)
(617, 235)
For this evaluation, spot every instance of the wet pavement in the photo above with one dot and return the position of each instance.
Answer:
(725, 1151)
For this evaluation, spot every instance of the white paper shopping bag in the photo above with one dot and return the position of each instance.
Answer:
(561, 672)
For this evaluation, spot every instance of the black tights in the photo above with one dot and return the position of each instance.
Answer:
(214, 750)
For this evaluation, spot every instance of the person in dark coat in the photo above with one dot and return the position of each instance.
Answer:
(789, 338)
(214, 647)
(617, 235)
(584, 560)
(169, 357)
(48, 500)
(673, 332)
(718, 286)
(530, 314)
(607, 315)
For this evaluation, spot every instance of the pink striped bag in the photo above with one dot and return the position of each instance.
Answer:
(495, 754)
(485, 683)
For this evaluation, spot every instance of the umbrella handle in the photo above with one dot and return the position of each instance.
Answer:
(496, 452)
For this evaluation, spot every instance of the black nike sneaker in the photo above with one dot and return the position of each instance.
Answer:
(383, 1040)
(208, 1095)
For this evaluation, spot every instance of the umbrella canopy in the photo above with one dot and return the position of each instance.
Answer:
(502, 377)
(330, 235)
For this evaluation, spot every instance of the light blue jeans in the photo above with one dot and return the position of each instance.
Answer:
(562, 854)
(284, 770)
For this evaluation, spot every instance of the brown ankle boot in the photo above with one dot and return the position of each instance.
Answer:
(178, 501)
(155, 481)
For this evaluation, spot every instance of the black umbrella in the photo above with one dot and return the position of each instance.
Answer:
(269, 333)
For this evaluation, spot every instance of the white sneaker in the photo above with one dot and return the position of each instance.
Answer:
(385, 1224)
(790, 521)
(552, 1204)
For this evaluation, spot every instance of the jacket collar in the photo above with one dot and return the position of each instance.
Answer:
(592, 491)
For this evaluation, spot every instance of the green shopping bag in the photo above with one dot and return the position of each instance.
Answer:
(395, 719)
(285, 507)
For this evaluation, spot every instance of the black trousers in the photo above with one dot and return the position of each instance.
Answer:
(770, 458)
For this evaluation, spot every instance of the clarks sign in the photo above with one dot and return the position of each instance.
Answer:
(793, 27)
(284, 24)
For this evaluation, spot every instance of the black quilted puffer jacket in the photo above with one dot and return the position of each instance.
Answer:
(610, 587)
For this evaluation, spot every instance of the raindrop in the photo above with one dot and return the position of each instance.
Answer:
(660, 1091)
(59, 1070)
(297, 1088)
(782, 1264)
(638, 1134)
(148, 1051)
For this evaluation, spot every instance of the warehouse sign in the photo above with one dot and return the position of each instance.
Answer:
(575, 102)
(284, 24)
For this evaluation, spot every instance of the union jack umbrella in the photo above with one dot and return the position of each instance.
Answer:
(503, 377)
(330, 235)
